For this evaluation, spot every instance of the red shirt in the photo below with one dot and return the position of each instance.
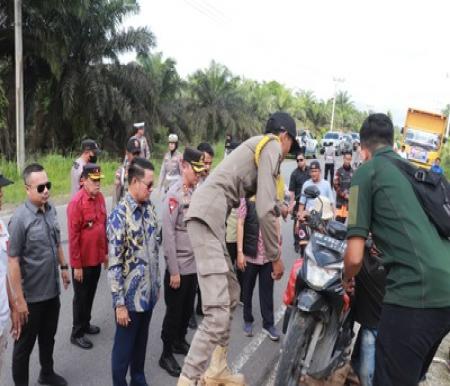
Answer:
(86, 223)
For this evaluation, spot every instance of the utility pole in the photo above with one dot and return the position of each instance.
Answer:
(335, 80)
(20, 131)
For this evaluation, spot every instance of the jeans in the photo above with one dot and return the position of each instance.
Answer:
(363, 358)
(406, 343)
(130, 345)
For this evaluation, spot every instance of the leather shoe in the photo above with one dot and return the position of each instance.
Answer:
(170, 364)
(81, 342)
(193, 322)
(92, 330)
(180, 347)
(52, 379)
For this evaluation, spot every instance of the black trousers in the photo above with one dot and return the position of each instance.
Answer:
(179, 307)
(83, 297)
(329, 168)
(264, 275)
(42, 324)
(406, 343)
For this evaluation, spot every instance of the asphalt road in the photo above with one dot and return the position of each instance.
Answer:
(256, 357)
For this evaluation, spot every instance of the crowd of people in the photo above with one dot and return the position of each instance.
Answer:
(220, 231)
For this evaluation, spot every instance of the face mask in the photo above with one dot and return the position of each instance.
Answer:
(92, 159)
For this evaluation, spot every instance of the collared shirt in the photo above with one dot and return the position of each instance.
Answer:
(145, 149)
(170, 169)
(4, 306)
(324, 188)
(298, 178)
(86, 224)
(133, 255)
(120, 183)
(34, 240)
(177, 246)
(75, 175)
(416, 258)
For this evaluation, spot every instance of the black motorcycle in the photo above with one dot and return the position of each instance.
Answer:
(318, 330)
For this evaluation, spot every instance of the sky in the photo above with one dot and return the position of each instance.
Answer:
(388, 55)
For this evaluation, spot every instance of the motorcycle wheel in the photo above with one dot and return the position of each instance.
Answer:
(294, 349)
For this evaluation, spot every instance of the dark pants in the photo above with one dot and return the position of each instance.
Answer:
(130, 345)
(179, 307)
(232, 251)
(264, 274)
(83, 297)
(42, 324)
(329, 168)
(406, 343)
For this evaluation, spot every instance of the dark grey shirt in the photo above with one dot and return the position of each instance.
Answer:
(34, 239)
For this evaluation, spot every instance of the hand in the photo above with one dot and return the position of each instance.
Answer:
(284, 211)
(241, 263)
(21, 308)
(277, 269)
(78, 274)
(16, 327)
(65, 278)
(301, 216)
(175, 281)
(106, 263)
(349, 285)
(122, 317)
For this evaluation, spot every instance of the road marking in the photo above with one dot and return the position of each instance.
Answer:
(251, 348)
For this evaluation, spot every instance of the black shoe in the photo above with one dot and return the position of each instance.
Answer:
(180, 347)
(193, 322)
(52, 380)
(170, 364)
(81, 342)
(92, 330)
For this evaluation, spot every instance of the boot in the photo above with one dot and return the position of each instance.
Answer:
(168, 362)
(184, 381)
(218, 373)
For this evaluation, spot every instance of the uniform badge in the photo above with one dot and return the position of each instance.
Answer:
(173, 203)
(76, 165)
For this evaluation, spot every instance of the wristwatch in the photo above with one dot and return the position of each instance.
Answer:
(65, 266)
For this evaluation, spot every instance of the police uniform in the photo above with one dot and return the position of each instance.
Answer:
(121, 176)
(79, 163)
(145, 149)
(236, 176)
(180, 260)
(170, 170)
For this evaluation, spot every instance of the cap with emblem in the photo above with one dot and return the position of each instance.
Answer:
(92, 171)
(314, 165)
(283, 121)
(4, 181)
(134, 146)
(90, 144)
(195, 158)
(139, 125)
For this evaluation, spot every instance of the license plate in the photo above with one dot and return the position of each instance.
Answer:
(418, 155)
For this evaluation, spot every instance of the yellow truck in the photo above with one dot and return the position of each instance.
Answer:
(424, 134)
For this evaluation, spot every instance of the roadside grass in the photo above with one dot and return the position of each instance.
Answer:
(445, 159)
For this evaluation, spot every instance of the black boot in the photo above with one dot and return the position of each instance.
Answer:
(168, 362)
(180, 347)
(51, 379)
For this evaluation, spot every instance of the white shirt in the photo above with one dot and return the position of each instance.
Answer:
(4, 305)
(402, 154)
(324, 189)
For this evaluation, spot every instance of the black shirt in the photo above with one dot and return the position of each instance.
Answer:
(298, 178)
(369, 293)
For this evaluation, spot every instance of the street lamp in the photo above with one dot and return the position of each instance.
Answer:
(335, 80)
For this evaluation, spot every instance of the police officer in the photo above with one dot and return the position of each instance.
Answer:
(139, 135)
(90, 151)
(255, 163)
(121, 178)
(180, 280)
(171, 165)
(342, 182)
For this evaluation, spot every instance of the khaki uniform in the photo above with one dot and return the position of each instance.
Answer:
(237, 176)
(170, 170)
(145, 149)
(120, 183)
(75, 175)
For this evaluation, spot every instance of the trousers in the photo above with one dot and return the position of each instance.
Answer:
(220, 295)
(329, 168)
(42, 324)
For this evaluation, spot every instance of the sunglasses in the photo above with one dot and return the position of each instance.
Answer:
(40, 188)
(300, 159)
(149, 186)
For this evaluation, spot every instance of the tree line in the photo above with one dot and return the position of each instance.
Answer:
(75, 85)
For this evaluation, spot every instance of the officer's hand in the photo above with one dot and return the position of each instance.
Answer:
(16, 327)
(106, 262)
(284, 211)
(78, 274)
(241, 263)
(21, 308)
(175, 281)
(66, 278)
(349, 286)
(122, 317)
(277, 269)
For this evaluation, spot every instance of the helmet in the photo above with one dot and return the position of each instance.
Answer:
(173, 138)
(327, 209)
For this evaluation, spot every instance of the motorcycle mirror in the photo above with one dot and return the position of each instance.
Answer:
(312, 192)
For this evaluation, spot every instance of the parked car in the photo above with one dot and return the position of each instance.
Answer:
(331, 138)
(308, 144)
(355, 140)
(346, 144)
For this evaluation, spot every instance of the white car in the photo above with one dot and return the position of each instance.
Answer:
(308, 144)
(331, 138)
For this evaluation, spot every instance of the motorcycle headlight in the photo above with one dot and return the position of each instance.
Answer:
(317, 277)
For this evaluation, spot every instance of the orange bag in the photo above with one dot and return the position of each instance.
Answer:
(289, 293)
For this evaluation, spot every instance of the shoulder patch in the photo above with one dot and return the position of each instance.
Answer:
(173, 203)
(76, 165)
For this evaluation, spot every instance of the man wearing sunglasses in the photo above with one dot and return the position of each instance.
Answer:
(298, 177)
(88, 248)
(180, 280)
(89, 153)
(34, 253)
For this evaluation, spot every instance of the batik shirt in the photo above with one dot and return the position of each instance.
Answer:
(133, 255)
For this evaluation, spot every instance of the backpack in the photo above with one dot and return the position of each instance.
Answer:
(432, 191)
